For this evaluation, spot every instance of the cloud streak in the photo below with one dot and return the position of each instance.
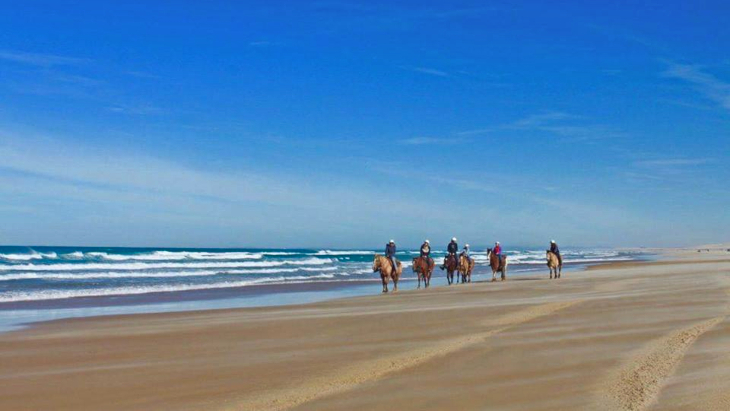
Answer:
(426, 70)
(569, 126)
(707, 84)
(40, 59)
(420, 141)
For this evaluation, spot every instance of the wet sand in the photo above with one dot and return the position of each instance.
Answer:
(629, 336)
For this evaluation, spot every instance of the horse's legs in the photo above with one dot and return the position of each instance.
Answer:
(395, 284)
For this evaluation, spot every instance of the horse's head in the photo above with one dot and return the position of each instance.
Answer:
(376, 263)
(489, 251)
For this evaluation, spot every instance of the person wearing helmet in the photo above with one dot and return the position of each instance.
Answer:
(555, 250)
(465, 253)
(452, 248)
(426, 249)
(497, 249)
(451, 251)
(426, 253)
(390, 253)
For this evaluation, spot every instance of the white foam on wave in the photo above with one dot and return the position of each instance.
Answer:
(175, 255)
(136, 290)
(28, 257)
(343, 252)
(166, 265)
(76, 255)
(154, 274)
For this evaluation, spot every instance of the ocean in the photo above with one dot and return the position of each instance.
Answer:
(44, 280)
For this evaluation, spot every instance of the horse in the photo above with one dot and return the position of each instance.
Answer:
(466, 266)
(450, 265)
(383, 264)
(423, 266)
(497, 266)
(553, 264)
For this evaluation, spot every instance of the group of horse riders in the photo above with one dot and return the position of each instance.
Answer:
(452, 248)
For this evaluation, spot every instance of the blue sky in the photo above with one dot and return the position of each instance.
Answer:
(345, 124)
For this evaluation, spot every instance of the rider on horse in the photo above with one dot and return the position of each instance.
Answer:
(426, 252)
(555, 250)
(465, 253)
(390, 254)
(451, 251)
(498, 252)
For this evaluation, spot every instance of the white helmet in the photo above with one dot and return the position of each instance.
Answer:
(427, 242)
(497, 242)
(453, 239)
(552, 241)
(392, 241)
(466, 246)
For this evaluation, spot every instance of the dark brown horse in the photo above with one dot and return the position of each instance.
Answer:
(383, 264)
(450, 265)
(466, 266)
(497, 265)
(423, 266)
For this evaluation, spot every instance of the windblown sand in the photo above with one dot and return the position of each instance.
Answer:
(625, 337)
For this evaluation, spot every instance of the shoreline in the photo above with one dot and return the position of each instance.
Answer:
(533, 338)
(252, 296)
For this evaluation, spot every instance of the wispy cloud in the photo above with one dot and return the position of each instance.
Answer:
(418, 141)
(426, 70)
(40, 59)
(569, 126)
(674, 162)
(263, 43)
(142, 74)
(140, 109)
(707, 84)
(668, 171)
(540, 120)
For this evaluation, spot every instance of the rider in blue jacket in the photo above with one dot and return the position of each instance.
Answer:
(555, 250)
(390, 253)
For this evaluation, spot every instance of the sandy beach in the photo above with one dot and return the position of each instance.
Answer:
(625, 336)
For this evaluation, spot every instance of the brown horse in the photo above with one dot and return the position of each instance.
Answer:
(383, 264)
(553, 264)
(450, 265)
(466, 266)
(423, 266)
(497, 265)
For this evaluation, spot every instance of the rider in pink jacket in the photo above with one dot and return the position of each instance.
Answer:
(497, 249)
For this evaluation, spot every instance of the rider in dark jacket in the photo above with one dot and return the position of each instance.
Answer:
(390, 253)
(452, 248)
(451, 251)
(555, 250)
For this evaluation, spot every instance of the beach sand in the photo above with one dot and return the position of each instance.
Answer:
(629, 336)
